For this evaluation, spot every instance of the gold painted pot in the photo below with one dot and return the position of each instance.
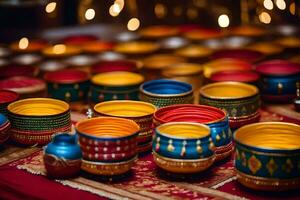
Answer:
(136, 49)
(267, 48)
(194, 52)
(240, 101)
(153, 65)
(140, 112)
(61, 51)
(225, 64)
(267, 156)
(107, 169)
(158, 31)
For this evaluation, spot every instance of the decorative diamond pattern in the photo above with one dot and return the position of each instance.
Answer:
(288, 166)
(271, 166)
(244, 159)
(254, 164)
(237, 155)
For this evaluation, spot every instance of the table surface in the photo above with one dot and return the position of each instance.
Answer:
(22, 176)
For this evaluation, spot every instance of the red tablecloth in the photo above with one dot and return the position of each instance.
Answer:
(22, 176)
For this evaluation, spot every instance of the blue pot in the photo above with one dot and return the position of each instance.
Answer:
(164, 92)
(191, 145)
(272, 164)
(280, 88)
(62, 157)
(4, 127)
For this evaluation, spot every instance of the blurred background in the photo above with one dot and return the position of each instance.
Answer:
(21, 18)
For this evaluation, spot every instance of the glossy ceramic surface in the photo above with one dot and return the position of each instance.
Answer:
(267, 155)
(108, 139)
(280, 80)
(7, 97)
(140, 112)
(158, 31)
(68, 85)
(115, 86)
(136, 48)
(35, 120)
(183, 140)
(4, 127)
(225, 64)
(213, 117)
(62, 157)
(242, 54)
(239, 100)
(164, 92)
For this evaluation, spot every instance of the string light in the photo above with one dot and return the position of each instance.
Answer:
(293, 8)
(268, 4)
(160, 10)
(281, 4)
(120, 3)
(114, 10)
(59, 48)
(223, 21)
(265, 18)
(23, 43)
(50, 7)
(89, 14)
(133, 24)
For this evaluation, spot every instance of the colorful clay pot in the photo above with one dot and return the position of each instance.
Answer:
(183, 142)
(4, 127)
(107, 143)
(190, 73)
(267, 155)
(158, 31)
(97, 47)
(115, 86)
(51, 65)
(116, 65)
(194, 52)
(26, 87)
(35, 120)
(203, 34)
(110, 56)
(27, 59)
(280, 80)
(225, 64)
(215, 118)
(154, 64)
(240, 101)
(242, 54)
(165, 92)
(18, 70)
(173, 43)
(250, 77)
(136, 48)
(80, 62)
(248, 30)
(61, 51)
(69, 85)
(289, 42)
(62, 156)
(79, 40)
(33, 46)
(7, 97)
(267, 48)
(140, 112)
